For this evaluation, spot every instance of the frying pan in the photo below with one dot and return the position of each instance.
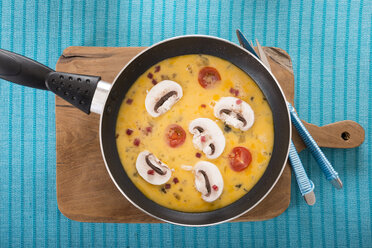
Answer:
(91, 94)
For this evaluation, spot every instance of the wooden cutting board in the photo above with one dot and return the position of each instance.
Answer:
(85, 191)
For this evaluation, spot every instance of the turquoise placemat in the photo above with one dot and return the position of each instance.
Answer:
(330, 45)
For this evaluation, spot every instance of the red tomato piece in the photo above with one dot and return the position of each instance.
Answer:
(175, 135)
(240, 158)
(208, 77)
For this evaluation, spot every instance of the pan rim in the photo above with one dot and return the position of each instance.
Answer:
(172, 222)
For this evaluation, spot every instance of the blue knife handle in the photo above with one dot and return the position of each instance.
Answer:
(319, 156)
(304, 183)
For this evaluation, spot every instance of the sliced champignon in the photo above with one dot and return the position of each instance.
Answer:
(234, 112)
(208, 180)
(208, 137)
(152, 169)
(162, 97)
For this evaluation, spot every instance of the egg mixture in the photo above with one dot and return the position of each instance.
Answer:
(205, 81)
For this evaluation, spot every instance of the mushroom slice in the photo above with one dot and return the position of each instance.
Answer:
(235, 112)
(208, 137)
(152, 169)
(208, 180)
(162, 97)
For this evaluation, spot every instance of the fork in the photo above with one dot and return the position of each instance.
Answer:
(305, 185)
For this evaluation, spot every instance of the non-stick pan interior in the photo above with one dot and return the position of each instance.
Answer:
(237, 56)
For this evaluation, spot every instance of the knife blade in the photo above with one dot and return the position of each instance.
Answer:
(244, 43)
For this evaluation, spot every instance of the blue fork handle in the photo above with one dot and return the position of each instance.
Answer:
(319, 156)
(304, 183)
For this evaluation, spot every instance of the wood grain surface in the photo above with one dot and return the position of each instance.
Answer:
(85, 191)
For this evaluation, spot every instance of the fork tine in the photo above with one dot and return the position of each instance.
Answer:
(259, 47)
(251, 43)
(262, 55)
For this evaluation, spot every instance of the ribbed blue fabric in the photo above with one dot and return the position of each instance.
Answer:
(330, 45)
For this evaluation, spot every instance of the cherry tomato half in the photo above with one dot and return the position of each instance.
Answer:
(240, 158)
(208, 77)
(175, 135)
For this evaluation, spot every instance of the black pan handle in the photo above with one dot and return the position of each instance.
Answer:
(21, 70)
(74, 88)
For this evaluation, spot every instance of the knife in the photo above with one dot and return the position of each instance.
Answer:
(321, 159)
(244, 43)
